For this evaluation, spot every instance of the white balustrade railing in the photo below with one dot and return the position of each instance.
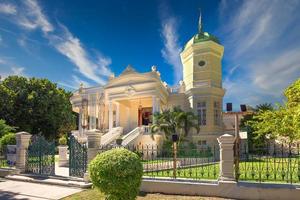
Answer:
(111, 136)
(146, 129)
(129, 137)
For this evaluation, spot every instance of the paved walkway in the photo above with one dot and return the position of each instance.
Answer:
(32, 191)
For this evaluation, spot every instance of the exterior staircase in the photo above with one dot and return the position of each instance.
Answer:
(131, 137)
(111, 136)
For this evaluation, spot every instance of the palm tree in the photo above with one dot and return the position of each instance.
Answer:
(264, 107)
(175, 121)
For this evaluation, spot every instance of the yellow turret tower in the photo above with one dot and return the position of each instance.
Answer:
(202, 76)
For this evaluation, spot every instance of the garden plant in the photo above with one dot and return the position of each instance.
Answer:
(117, 173)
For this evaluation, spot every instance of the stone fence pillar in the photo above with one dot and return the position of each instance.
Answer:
(226, 143)
(22, 139)
(93, 144)
(63, 156)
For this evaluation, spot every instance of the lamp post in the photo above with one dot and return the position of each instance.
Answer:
(236, 135)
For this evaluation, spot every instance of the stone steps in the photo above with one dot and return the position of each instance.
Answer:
(51, 180)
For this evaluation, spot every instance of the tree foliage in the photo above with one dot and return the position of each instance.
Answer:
(292, 94)
(8, 139)
(36, 106)
(247, 124)
(175, 121)
(5, 129)
(284, 121)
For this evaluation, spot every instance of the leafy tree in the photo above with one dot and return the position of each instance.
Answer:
(175, 121)
(8, 139)
(292, 94)
(281, 122)
(36, 106)
(255, 140)
(5, 129)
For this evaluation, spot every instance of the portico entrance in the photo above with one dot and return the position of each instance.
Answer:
(145, 117)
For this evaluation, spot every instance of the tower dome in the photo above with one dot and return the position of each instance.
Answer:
(201, 36)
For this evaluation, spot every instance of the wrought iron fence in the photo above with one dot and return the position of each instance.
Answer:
(40, 157)
(271, 163)
(198, 163)
(77, 158)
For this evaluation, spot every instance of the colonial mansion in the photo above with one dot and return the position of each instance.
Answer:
(124, 107)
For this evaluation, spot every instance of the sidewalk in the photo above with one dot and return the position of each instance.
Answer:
(33, 191)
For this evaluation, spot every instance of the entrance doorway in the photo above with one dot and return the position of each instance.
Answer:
(145, 116)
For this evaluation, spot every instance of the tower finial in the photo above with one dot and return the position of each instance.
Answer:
(200, 30)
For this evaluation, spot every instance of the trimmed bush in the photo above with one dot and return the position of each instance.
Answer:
(8, 139)
(117, 173)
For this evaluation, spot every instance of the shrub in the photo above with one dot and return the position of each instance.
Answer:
(8, 139)
(62, 140)
(5, 129)
(117, 173)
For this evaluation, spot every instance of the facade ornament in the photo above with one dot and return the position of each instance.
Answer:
(81, 88)
(153, 68)
(129, 70)
(200, 26)
(158, 73)
(129, 90)
(165, 84)
(112, 76)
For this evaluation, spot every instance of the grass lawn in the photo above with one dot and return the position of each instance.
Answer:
(265, 170)
(210, 171)
(94, 194)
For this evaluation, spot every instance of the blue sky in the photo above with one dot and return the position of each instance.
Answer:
(70, 42)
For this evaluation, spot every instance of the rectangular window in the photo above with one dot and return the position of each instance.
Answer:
(217, 113)
(201, 110)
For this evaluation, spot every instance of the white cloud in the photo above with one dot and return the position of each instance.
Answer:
(19, 71)
(262, 39)
(7, 68)
(74, 83)
(7, 9)
(72, 48)
(31, 17)
(273, 75)
(172, 49)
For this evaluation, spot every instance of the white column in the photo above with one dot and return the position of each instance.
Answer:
(99, 115)
(110, 115)
(117, 114)
(157, 105)
(90, 114)
(154, 106)
(128, 119)
(80, 120)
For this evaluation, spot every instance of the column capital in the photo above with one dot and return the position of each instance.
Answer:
(226, 139)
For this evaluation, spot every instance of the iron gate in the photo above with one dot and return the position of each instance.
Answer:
(40, 157)
(78, 158)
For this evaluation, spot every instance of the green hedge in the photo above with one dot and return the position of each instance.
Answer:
(8, 139)
(117, 173)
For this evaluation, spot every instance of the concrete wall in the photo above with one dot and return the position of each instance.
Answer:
(225, 189)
